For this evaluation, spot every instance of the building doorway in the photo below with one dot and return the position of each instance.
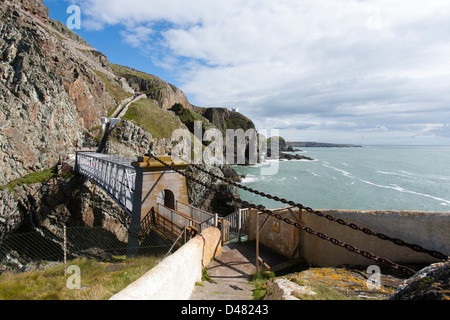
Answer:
(167, 199)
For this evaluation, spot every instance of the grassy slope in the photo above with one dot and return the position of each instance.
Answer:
(160, 123)
(99, 281)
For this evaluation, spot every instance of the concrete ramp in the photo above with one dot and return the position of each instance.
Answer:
(231, 272)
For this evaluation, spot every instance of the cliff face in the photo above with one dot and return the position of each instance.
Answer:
(224, 119)
(52, 89)
(155, 88)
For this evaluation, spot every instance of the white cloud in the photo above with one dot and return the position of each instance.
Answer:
(137, 36)
(376, 63)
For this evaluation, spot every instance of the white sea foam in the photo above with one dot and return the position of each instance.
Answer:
(403, 190)
(427, 176)
(344, 173)
(250, 178)
(402, 176)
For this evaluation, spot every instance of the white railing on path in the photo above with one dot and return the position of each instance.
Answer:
(235, 226)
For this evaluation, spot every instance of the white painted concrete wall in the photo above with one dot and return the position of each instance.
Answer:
(174, 278)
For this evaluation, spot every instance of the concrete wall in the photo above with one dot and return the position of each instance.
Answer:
(174, 278)
(427, 229)
(152, 178)
(276, 235)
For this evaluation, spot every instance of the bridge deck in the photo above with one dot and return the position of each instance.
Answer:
(115, 175)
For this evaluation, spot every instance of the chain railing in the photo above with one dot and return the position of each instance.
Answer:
(337, 242)
(367, 231)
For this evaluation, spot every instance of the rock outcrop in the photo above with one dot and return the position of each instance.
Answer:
(223, 119)
(166, 94)
(431, 283)
(53, 89)
(208, 200)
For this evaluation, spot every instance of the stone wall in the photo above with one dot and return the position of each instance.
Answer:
(427, 229)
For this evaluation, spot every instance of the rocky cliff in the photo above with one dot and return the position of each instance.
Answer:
(164, 93)
(54, 90)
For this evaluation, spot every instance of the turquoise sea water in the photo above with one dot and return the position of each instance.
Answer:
(368, 178)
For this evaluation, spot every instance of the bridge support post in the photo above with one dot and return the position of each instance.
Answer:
(133, 232)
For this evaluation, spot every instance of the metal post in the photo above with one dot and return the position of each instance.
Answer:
(65, 251)
(239, 225)
(257, 242)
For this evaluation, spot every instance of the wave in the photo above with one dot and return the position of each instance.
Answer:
(393, 174)
(393, 187)
(250, 178)
(427, 176)
(344, 173)
(415, 176)
(403, 190)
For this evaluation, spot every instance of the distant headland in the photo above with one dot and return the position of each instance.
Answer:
(320, 145)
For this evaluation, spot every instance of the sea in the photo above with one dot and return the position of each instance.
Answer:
(415, 178)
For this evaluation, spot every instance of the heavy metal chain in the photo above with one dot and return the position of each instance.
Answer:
(399, 242)
(322, 236)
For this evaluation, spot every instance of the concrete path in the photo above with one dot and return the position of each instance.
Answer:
(231, 273)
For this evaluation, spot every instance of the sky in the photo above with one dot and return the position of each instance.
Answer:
(338, 71)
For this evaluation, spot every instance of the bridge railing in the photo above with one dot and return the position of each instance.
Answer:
(183, 220)
(113, 174)
(192, 212)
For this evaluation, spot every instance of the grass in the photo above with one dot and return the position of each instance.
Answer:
(114, 89)
(99, 281)
(127, 73)
(258, 281)
(32, 178)
(189, 117)
(155, 84)
(239, 121)
(159, 122)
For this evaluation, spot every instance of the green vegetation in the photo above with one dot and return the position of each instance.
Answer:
(127, 73)
(259, 280)
(114, 89)
(239, 121)
(189, 117)
(153, 86)
(32, 178)
(159, 122)
(281, 142)
(205, 276)
(99, 281)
